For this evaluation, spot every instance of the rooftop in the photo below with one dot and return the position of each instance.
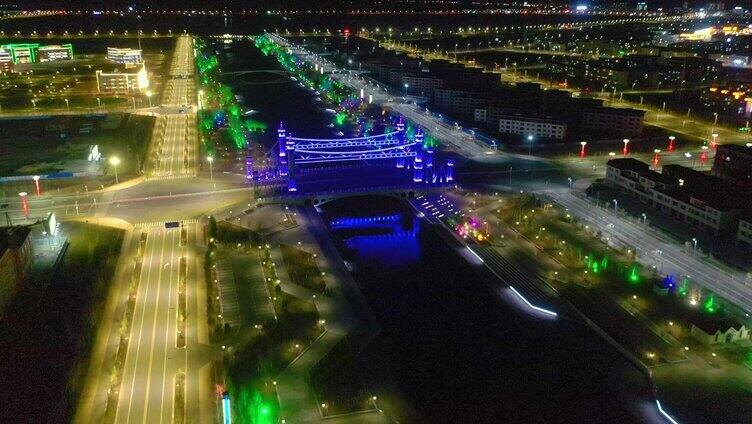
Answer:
(12, 237)
(711, 325)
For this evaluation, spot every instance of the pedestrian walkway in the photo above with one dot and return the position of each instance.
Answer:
(252, 290)
(228, 297)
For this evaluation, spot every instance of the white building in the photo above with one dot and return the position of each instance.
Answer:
(6, 61)
(720, 331)
(54, 53)
(123, 82)
(537, 127)
(124, 55)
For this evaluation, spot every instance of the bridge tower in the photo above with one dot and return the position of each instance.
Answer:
(402, 139)
(282, 144)
(449, 170)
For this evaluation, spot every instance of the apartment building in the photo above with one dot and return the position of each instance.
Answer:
(545, 128)
(697, 199)
(608, 120)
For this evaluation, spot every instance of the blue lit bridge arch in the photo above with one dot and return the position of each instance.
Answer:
(294, 153)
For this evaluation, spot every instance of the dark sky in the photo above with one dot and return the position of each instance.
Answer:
(280, 4)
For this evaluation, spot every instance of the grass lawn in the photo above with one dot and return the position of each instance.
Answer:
(302, 268)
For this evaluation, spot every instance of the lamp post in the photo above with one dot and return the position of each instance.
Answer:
(148, 96)
(24, 203)
(530, 144)
(656, 158)
(115, 161)
(36, 184)
(67, 104)
(671, 140)
(210, 159)
(714, 142)
(626, 150)
(582, 149)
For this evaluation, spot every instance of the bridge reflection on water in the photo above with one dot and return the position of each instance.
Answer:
(392, 239)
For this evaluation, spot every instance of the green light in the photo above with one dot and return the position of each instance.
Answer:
(710, 304)
(340, 118)
(634, 276)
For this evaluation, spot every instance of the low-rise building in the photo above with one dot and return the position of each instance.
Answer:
(697, 199)
(122, 82)
(744, 232)
(54, 53)
(608, 120)
(709, 331)
(6, 61)
(537, 127)
(124, 55)
(15, 260)
(420, 85)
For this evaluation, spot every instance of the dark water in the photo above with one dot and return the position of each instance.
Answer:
(267, 89)
(456, 351)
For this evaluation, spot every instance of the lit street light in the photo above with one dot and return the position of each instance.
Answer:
(148, 96)
(115, 161)
(210, 159)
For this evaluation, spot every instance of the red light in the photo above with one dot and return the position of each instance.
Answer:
(346, 31)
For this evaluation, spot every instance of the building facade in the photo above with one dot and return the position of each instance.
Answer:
(744, 232)
(6, 61)
(607, 120)
(54, 53)
(690, 196)
(15, 260)
(125, 55)
(718, 332)
(537, 127)
(122, 82)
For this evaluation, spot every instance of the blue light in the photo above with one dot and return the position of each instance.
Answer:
(226, 413)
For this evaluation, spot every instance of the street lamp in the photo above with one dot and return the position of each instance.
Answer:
(530, 144)
(115, 161)
(616, 204)
(210, 159)
(67, 104)
(36, 184)
(148, 96)
(626, 150)
(582, 149)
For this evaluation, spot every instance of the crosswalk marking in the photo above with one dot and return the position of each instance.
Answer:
(162, 223)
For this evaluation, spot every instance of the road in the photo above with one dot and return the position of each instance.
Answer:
(153, 357)
(653, 249)
(147, 388)
(174, 144)
(449, 135)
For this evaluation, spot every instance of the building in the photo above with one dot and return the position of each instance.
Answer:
(15, 260)
(537, 127)
(122, 82)
(710, 331)
(744, 232)
(695, 198)
(734, 162)
(458, 102)
(124, 55)
(6, 61)
(54, 53)
(609, 120)
(22, 52)
(420, 85)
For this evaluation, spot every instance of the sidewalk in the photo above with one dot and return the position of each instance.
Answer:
(297, 400)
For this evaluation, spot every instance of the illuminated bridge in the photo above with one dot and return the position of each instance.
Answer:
(408, 154)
